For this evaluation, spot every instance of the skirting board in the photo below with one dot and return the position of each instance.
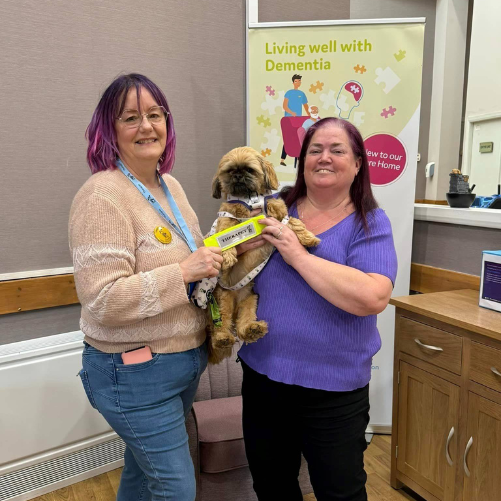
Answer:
(379, 429)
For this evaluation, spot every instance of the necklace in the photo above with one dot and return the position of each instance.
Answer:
(301, 216)
(332, 208)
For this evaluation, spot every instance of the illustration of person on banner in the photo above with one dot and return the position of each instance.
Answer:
(294, 101)
(313, 118)
(301, 131)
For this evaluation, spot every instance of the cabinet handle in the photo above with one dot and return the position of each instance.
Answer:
(468, 445)
(447, 456)
(493, 369)
(428, 346)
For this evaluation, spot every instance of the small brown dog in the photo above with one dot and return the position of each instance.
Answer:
(241, 173)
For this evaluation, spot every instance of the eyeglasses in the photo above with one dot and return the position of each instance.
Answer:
(132, 119)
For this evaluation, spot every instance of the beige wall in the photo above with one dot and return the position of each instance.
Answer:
(484, 75)
(271, 11)
(57, 58)
(452, 247)
(482, 98)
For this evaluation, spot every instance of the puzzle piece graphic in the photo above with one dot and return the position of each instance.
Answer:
(270, 90)
(328, 100)
(270, 104)
(318, 86)
(342, 104)
(273, 141)
(265, 122)
(354, 89)
(388, 77)
(266, 152)
(359, 69)
(358, 118)
(390, 111)
(400, 55)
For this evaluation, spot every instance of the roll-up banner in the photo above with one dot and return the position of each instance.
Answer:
(367, 72)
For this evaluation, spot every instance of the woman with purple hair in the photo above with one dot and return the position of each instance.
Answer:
(306, 383)
(134, 240)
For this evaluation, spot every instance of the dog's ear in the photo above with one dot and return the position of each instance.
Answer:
(270, 176)
(216, 187)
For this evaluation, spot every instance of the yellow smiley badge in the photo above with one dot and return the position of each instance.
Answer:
(162, 235)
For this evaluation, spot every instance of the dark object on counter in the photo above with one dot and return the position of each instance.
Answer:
(496, 204)
(458, 183)
(460, 200)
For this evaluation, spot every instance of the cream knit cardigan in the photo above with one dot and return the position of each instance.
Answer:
(130, 284)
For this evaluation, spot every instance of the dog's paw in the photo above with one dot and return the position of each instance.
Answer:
(309, 239)
(230, 259)
(222, 340)
(254, 331)
(217, 355)
(276, 208)
(305, 237)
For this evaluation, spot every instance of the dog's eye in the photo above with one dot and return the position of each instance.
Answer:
(249, 169)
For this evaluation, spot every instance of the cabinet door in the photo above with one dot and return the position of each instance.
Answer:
(428, 411)
(482, 456)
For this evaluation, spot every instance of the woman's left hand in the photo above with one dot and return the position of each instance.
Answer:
(284, 239)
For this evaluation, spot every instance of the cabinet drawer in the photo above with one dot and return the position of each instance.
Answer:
(442, 348)
(484, 361)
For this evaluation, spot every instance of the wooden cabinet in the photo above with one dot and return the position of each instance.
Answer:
(427, 430)
(446, 437)
(482, 456)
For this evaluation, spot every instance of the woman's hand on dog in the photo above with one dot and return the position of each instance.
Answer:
(205, 262)
(253, 243)
(284, 239)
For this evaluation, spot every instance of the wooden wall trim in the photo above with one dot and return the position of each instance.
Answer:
(430, 279)
(431, 202)
(37, 293)
(59, 290)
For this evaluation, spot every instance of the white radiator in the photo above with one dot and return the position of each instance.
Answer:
(50, 436)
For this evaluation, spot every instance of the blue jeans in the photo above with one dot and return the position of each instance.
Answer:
(147, 404)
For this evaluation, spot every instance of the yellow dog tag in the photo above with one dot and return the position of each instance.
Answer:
(237, 234)
(162, 235)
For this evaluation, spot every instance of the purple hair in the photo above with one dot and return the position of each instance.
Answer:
(360, 190)
(102, 151)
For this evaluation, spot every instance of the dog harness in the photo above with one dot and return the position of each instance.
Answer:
(252, 202)
(202, 294)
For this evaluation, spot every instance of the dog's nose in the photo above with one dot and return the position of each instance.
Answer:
(238, 176)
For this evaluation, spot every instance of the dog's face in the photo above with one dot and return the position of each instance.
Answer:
(242, 172)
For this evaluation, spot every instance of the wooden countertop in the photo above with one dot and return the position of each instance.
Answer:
(459, 308)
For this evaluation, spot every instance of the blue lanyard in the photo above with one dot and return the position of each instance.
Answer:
(183, 229)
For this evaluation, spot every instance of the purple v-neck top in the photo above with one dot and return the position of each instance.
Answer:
(311, 342)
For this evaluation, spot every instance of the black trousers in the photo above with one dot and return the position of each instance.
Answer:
(281, 421)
